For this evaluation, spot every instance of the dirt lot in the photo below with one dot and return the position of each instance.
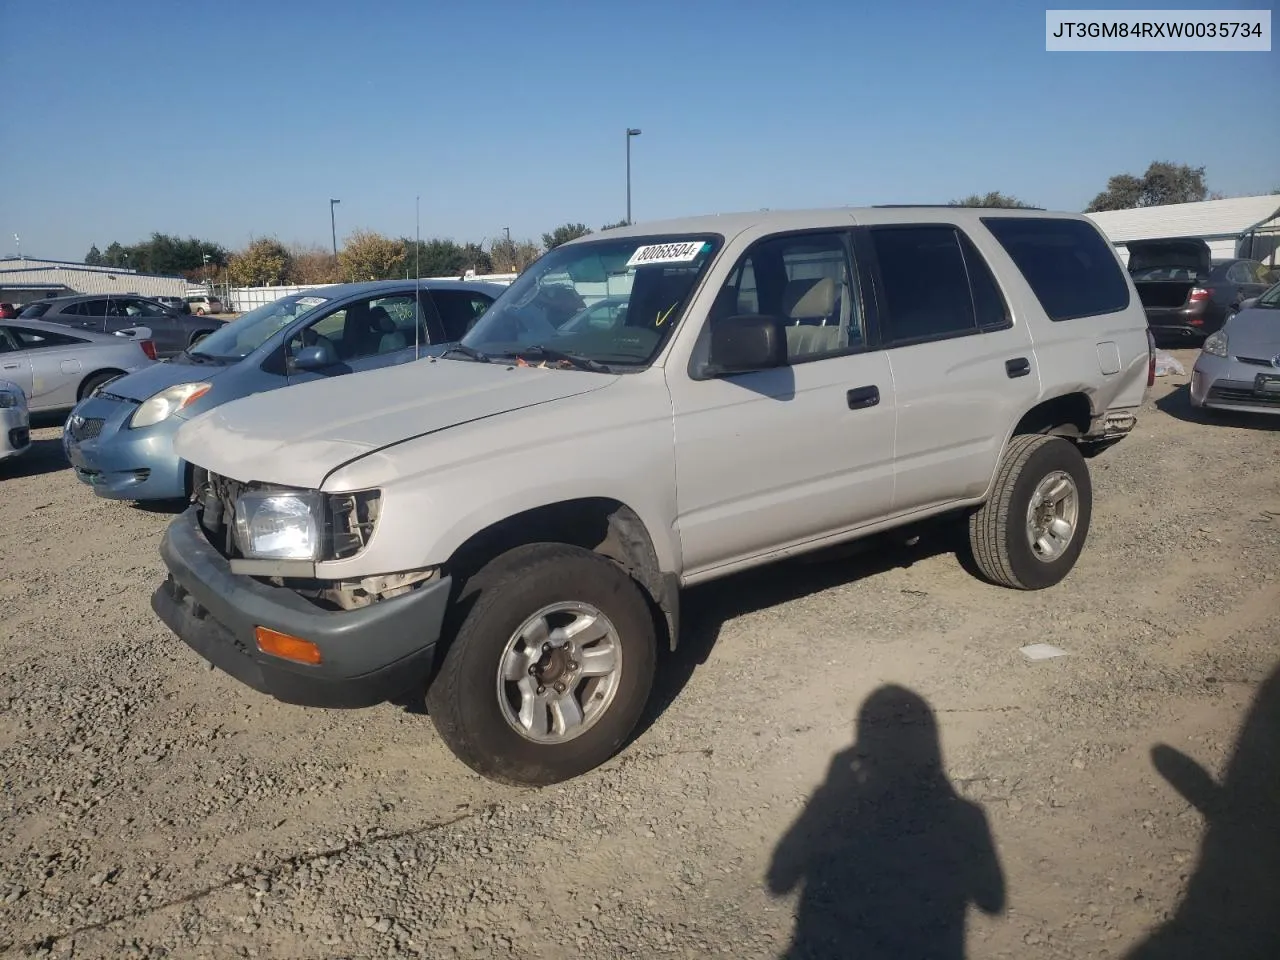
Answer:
(782, 790)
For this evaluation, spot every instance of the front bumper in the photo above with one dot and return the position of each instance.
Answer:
(15, 432)
(1225, 383)
(120, 463)
(367, 655)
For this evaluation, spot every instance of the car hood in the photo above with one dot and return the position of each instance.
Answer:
(299, 435)
(1255, 333)
(1189, 253)
(152, 379)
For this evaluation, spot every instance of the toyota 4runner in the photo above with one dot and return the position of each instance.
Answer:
(508, 527)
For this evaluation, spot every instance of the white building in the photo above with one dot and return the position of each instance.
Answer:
(23, 279)
(1236, 227)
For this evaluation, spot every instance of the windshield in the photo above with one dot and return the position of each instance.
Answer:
(611, 302)
(242, 336)
(1269, 300)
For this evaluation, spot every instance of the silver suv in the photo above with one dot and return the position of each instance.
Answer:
(508, 527)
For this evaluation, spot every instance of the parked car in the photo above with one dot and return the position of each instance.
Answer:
(171, 331)
(508, 527)
(8, 311)
(120, 442)
(15, 421)
(56, 367)
(202, 305)
(1185, 293)
(174, 303)
(1239, 365)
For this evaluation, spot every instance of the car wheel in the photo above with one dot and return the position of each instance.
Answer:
(199, 311)
(549, 668)
(1030, 532)
(92, 383)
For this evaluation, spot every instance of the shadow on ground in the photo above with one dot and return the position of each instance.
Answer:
(1177, 404)
(43, 456)
(1231, 907)
(888, 857)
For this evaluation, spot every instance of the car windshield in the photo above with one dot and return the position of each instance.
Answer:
(242, 336)
(611, 302)
(1269, 300)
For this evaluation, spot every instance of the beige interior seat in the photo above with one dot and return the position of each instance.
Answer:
(814, 301)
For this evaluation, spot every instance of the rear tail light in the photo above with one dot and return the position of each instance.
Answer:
(149, 348)
(1199, 295)
(1151, 358)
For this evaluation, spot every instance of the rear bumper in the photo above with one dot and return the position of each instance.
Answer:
(1183, 321)
(368, 655)
(120, 463)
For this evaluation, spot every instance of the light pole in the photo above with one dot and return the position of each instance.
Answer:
(333, 228)
(631, 132)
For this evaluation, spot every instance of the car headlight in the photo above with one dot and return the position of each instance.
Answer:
(1216, 344)
(12, 398)
(166, 403)
(274, 525)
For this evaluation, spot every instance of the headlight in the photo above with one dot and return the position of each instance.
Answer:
(166, 403)
(12, 398)
(279, 526)
(1216, 344)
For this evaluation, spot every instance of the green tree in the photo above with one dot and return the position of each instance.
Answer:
(115, 255)
(367, 255)
(993, 199)
(564, 233)
(1162, 184)
(94, 257)
(621, 223)
(512, 256)
(264, 261)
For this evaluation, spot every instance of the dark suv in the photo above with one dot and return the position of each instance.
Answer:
(171, 330)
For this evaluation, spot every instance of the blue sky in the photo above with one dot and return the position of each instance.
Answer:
(231, 119)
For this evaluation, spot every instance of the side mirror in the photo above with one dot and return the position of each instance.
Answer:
(744, 343)
(311, 358)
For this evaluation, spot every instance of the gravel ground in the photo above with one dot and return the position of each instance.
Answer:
(786, 787)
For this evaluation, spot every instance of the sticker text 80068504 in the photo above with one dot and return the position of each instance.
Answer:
(651, 253)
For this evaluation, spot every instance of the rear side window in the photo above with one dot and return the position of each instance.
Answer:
(925, 283)
(988, 302)
(1069, 266)
(35, 339)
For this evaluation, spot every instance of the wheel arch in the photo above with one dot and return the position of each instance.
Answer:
(602, 525)
(111, 373)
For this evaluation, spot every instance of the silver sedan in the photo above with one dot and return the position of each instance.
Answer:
(57, 367)
(1239, 366)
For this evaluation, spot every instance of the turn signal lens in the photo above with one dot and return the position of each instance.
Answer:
(286, 647)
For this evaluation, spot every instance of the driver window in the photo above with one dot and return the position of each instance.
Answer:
(806, 281)
(365, 328)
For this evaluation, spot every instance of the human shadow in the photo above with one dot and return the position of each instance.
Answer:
(1231, 907)
(1177, 404)
(888, 855)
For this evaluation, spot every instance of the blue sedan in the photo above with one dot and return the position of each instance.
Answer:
(120, 438)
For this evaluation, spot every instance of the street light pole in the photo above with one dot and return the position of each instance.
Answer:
(631, 132)
(333, 228)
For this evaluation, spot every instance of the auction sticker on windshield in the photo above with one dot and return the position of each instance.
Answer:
(667, 253)
(310, 301)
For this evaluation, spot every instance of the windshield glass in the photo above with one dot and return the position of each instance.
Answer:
(609, 301)
(242, 336)
(1271, 299)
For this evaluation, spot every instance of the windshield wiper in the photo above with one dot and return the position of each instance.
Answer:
(546, 353)
(471, 353)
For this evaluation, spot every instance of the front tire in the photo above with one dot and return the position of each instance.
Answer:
(549, 669)
(1030, 532)
(97, 380)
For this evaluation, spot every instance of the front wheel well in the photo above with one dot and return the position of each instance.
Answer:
(1068, 415)
(602, 525)
(96, 378)
(198, 336)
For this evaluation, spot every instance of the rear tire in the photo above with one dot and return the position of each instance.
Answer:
(1030, 532)
(94, 381)
(477, 703)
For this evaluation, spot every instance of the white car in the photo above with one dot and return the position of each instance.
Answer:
(15, 421)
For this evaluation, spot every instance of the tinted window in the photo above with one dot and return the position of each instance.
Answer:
(988, 301)
(34, 339)
(925, 283)
(92, 308)
(459, 310)
(34, 310)
(807, 281)
(1070, 267)
(7, 343)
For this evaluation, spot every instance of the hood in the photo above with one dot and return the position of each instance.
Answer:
(1187, 253)
(299, 435)
(150, 380)
(1255, 333)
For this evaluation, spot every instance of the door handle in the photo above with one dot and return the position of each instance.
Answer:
(1017, 367)
(11, 366)
(863, 397)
